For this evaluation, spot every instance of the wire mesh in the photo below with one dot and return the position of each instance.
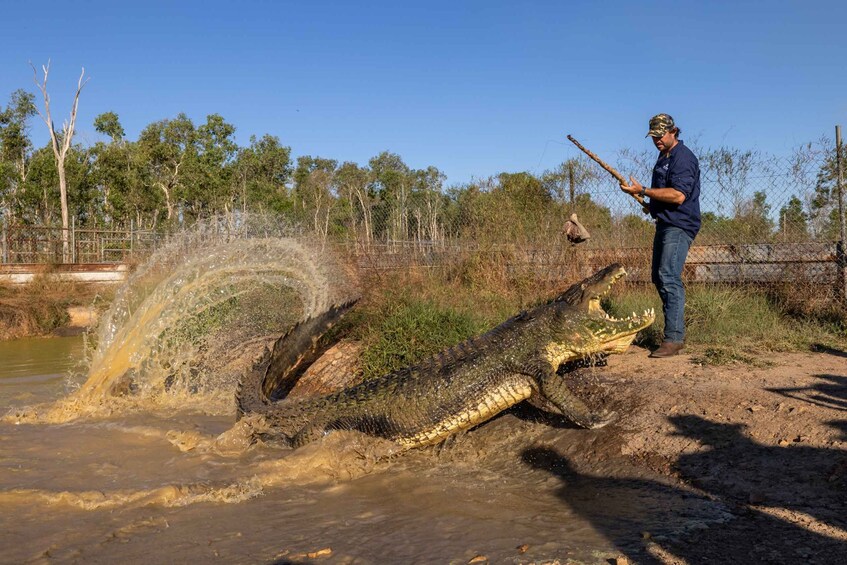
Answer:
(765, 220)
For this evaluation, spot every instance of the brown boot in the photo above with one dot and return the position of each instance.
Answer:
(667, 349)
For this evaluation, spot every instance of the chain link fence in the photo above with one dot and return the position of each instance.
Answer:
(40, 245)
(766, 220)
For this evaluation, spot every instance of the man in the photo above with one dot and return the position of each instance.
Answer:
(674, 195)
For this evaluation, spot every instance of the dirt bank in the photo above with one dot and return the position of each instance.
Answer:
(48, 308)
(767, 441)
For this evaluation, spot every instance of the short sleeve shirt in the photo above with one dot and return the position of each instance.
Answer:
(679, 170)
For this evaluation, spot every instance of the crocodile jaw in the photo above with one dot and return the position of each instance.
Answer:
(602, 334)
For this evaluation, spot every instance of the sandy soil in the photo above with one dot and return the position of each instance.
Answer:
(768, 441)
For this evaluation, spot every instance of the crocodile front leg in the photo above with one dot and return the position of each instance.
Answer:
(554, 389)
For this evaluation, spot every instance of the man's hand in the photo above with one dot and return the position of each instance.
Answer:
(634, 188)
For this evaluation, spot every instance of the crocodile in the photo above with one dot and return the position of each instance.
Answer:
(456, 389)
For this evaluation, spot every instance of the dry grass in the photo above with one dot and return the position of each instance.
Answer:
(414, 313)
(41, 307)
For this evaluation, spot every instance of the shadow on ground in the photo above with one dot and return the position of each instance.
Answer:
(784, 504)
(830, 393)
(820, 348)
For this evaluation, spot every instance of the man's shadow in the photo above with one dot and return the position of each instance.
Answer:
(831, 393)
(723, 523)
(797, 477)
(628, 512)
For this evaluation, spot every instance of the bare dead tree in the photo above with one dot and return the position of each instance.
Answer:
(353, 184)
(60, 144)
(168, 183)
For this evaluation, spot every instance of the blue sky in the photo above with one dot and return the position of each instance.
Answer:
(473, 88)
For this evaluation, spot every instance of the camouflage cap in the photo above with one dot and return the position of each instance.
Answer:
(660, 124)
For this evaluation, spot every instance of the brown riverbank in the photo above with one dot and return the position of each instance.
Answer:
(47, 307)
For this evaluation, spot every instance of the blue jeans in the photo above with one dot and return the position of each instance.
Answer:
(670, 248)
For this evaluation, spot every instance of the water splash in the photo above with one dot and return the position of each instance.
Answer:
(192, 319)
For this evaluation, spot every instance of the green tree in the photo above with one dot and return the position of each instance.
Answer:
(793, 221)
(755, 218)
(391, 182)
(313, 186)
(211, 189)
(84, 201)
(824, 203)
(715, 229)
(38, 198)
(525, 190)
(752, 224)
(262, 173)
(427, 203)
(108, 123)
(39, 201)
(114, 171)
(167, 148)
(352, 182)
(513, 207)
(15, 149)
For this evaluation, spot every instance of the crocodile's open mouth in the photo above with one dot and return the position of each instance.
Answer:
(594, 302)
(597, 332)
(617, 333)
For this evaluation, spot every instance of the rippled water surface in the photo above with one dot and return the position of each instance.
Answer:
(35, 368)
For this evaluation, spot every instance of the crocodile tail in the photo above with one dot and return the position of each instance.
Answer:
(277, 371)
(248, 393)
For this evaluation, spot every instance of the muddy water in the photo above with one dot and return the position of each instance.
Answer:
(34, 369)
(179, 486)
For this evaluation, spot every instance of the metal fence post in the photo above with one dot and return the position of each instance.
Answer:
(5, 245)
(841, 252)
(73, 239)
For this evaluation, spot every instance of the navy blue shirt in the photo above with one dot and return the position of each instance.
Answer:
(681, 171)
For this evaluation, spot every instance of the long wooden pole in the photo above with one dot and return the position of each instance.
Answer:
(622, 181)
(841, 252)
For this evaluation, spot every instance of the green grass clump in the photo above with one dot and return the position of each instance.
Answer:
(746, 320)
(406, 332)
(637, 299)
(726, 356)
(730, 324)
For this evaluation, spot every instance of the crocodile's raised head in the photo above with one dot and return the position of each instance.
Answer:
(581, 326)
